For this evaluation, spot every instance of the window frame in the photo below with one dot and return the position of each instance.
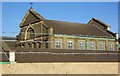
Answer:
(70, 45)
(92, 46)
(30, 33)
(113, 46)
(58, 44)
(83, 45)
(103, 45)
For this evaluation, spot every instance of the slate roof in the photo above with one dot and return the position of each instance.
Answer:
(32, 17)
(4, 57)
(102, 23)
(40, 17)
(7, 43)
(4, 52)
(69, 28)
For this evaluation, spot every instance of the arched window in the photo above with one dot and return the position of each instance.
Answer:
(30, 33)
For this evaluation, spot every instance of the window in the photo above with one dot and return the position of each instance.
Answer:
(111, 46)
(58, 45)
(92, 45)
(102, 45)
(30, 33)
(81, 45)
(70, 45)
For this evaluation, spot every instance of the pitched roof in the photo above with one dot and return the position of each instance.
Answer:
(7, 42)
(4, 57)
(36, 14)
(69, 28)
(4, 46)
(31, 17)
(103, 24)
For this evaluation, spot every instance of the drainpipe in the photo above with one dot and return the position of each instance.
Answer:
(117, 43)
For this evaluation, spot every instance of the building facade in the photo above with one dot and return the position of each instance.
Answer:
(38, 32)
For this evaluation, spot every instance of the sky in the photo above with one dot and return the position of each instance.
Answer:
(80, 12)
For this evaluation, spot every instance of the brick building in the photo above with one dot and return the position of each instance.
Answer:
(38, 32)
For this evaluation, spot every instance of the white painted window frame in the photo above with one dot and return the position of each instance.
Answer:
(92, 45)
(58, 43)
(83, 45)
(101, 45)
(111, 46)
(70, 44)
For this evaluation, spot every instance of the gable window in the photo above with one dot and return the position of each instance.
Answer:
(70, 45)
(111, 46)
(58, 44)
(101, 45)
(81, 45)
(92, 45)
(30, 33)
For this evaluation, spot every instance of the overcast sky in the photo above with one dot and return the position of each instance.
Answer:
(80, 12)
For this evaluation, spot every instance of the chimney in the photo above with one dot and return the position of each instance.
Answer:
(117, 37)
(50, 31)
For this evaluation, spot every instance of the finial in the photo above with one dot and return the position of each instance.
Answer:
(31, 5)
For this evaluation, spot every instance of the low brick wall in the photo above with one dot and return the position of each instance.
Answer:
(53, 55)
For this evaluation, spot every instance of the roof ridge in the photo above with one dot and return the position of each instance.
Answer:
(101, 21)
(36, 13)
(67, 22)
